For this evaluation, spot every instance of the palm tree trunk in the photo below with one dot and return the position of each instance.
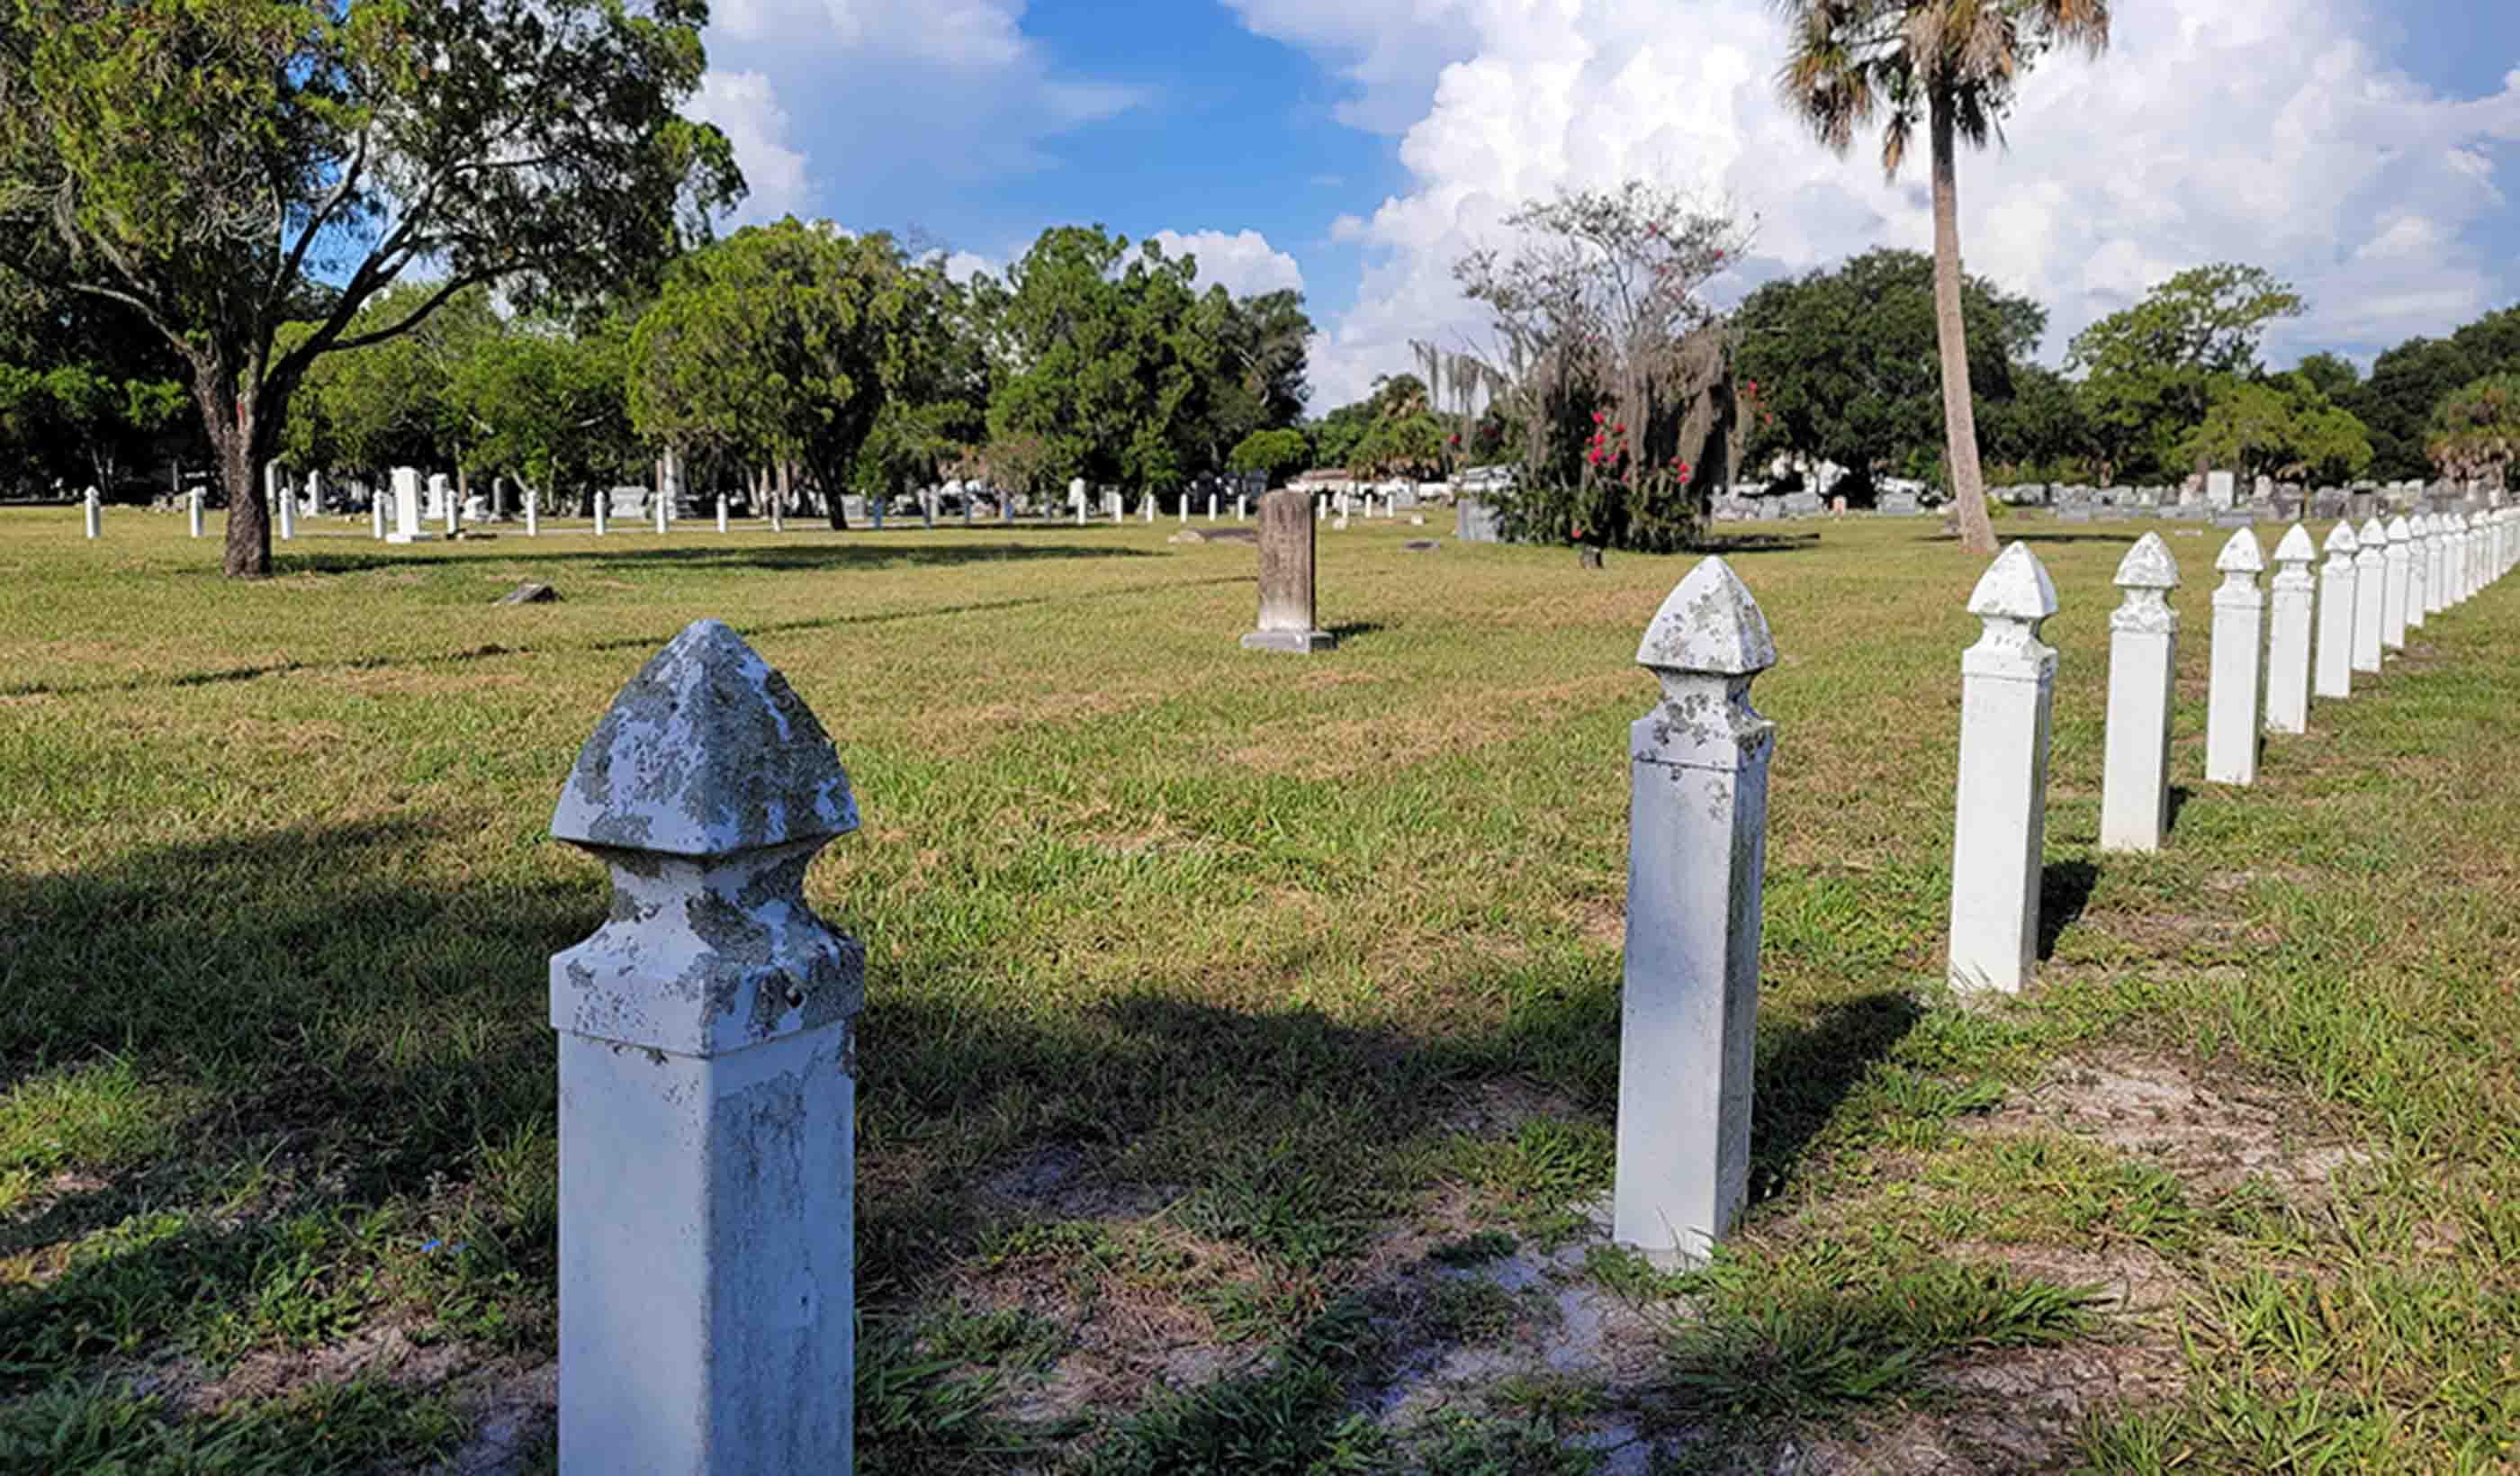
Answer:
(1960, 406)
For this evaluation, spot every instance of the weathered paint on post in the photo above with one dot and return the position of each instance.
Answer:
(2288, 638)
(2008, 690)
(2371, 593)
(1696, 858)
(2144, 662)
(2334, 676)
(2239, 664)
(2401, 555)
(707, 1093)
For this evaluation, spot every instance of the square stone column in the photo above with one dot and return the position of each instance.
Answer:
(1287, 552)
(2000, 822)
(2337, 600)
(2143, 669)
(2288, 638)
(406, 508)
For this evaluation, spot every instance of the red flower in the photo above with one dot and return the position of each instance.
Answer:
(1619, 430)
(1598, 418)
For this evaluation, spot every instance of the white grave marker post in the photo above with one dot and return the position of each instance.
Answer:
(658, 512)
(376, 515)
(193, 510)
(2143, 668)
(2239, 664)
(1184, 519)
(2419, 561)
(1211, 507)
(92, 513)
(603, 511)
(1146, 507)
(2288, 634)
(721, 511)
(533, 511)
(2371, 593)
(1242, 508)
(283, 505)
(1696, 860)
(707, 1092)
(2401, 547)
(2463, 538)
(2336, 607)
(2435, 543)
(2008, 692)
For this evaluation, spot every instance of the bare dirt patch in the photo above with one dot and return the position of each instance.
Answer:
(2003, 1413)
(2160, 1112)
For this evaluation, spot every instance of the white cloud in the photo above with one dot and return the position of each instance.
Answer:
(745, 107)
(1242, 263)
(2264, 131)
(918, 93)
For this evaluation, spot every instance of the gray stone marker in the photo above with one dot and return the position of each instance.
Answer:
(2143, 666)
(1696, 858)
(1288, 534)
(2239, 664)
(2335, 675)
(2007, 697)
(707, 1085)
(2288, 632)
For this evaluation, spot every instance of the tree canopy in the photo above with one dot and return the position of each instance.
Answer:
(2151, 371)
(222, 169)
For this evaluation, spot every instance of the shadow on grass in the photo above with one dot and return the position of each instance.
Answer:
(2179, 795)
(647, 642)
(732, 554)
(1755, 543)
(2064, 890)
(1805, 1072)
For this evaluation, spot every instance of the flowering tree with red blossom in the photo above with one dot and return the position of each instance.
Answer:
(1609, 361)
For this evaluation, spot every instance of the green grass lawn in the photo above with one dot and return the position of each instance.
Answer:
(1240, 1045)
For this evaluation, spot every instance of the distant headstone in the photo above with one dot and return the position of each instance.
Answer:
(528, 594)
(1288, 534)
(406, 509)
(1474, 520)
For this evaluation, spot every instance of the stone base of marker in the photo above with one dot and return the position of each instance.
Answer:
(1298, 641)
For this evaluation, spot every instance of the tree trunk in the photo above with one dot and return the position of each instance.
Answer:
(1951, 331)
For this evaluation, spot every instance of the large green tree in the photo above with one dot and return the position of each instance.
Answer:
(2476, 430)
(784, 342)
(389, 402)
(2150, 372)
(2411, 382)
(2284, 427)
(220, 167)
(83, 389)
(1951, 66)
(1846, 365)
(549, 405)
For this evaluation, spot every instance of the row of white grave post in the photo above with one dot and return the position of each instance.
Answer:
(709, 1054)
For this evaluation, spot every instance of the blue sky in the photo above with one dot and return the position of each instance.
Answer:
(2367, 149)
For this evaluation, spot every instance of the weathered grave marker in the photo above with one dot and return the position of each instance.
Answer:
(2401, 547)
(1697, 860)
(2336, 608)
(405, 481)
(2288, 640)
(707, 1085)
(2238, 670)
(2144, 666)
(2007, 687)
(193, 510)
(2370, 594)
(92, 513)
(2419, 561)
(1287, 555)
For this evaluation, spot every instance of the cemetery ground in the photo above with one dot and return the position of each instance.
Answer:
(1240, 1054)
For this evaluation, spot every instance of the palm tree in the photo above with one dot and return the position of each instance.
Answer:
(1955, 63)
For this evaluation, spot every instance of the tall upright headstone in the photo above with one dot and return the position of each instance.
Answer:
(406, 509)
(2007, 689)
(92, 513)
(1287, 590)
(533, 512)
(314, 494)
(2370, 594)
(193, 510)
(284, 507)
(1697, 831)
(2337, 603)
(2239, 664)
(707, 1085)
(2288, 632)
(2143, 669)
(2222, 491)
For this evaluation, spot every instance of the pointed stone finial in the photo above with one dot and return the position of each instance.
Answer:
(2341, 540)
(2296, 546)
(2149, 565)
(1709, 623)
(2015, 587)
(2373, 533)
(2241, 556)
(707, 752)
(2399, 529)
